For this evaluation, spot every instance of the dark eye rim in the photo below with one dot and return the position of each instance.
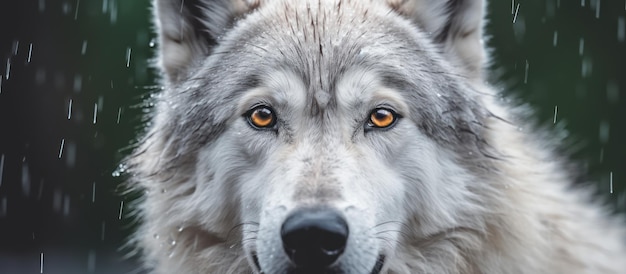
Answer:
(369, 126)
(248, 117)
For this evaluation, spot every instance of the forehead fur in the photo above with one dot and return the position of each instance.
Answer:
(320, 41)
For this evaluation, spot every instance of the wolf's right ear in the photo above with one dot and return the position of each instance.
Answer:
(188, 29)
(456, 25)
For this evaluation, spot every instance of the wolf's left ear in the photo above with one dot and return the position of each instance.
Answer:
(189, 28)
(456, 25)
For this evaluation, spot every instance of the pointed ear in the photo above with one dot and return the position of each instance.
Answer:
(188, 29)
(456, 25)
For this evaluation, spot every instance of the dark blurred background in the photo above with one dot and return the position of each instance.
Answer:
(73, 75)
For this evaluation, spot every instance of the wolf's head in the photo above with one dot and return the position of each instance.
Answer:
(329, 136)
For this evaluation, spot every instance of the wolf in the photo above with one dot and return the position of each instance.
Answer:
(350, 136)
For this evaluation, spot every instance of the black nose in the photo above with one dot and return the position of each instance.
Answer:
(314, 238)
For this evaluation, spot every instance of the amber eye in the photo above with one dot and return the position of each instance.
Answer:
(261, 117)
(382, 118)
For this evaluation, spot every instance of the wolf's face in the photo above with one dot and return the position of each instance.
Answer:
(331, 133)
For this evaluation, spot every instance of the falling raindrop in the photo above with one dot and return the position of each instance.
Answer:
(103, 229)
(95, 112)
(66, 205)
(61, 148)
(587, 67)
(40, 192)
(128, 51)
(15, 47)
(119, 115)
(556, 109)
(581, 46)
(612, 92)
(1, 167)
(42, 6)
(121, 209)
(113, 12)
(40, 76)
(83, 49)
(526, 73)
(605, 127)
(550, 9)
(67, 8)
(30, 52)
(41, 263)
(93, 192)
(601, 155)
(598, 9)
(78, 83)
(25, 179)
(57, 197)
(91, 261)
(70, 154)
(7, 73)
(555, 38)
(516, 12)
(621, 29)
(611, 181)
(69, 110)
(100, 103)
(76, 9)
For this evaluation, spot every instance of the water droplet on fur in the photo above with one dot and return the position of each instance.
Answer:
(152, 43)
(180, 228)
(119, 170)
(232, 246)
(163, 190)
(156, 236)
(173, 242)
(439, 95)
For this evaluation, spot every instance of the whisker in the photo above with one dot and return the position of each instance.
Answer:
(239, 226)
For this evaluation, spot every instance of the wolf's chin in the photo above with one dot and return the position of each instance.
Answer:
(380, 262)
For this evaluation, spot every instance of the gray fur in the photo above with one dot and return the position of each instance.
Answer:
(450, 188)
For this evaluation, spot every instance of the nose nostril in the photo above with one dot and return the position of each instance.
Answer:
(314, 238)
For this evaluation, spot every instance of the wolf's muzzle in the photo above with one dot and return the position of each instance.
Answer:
(314, 238)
